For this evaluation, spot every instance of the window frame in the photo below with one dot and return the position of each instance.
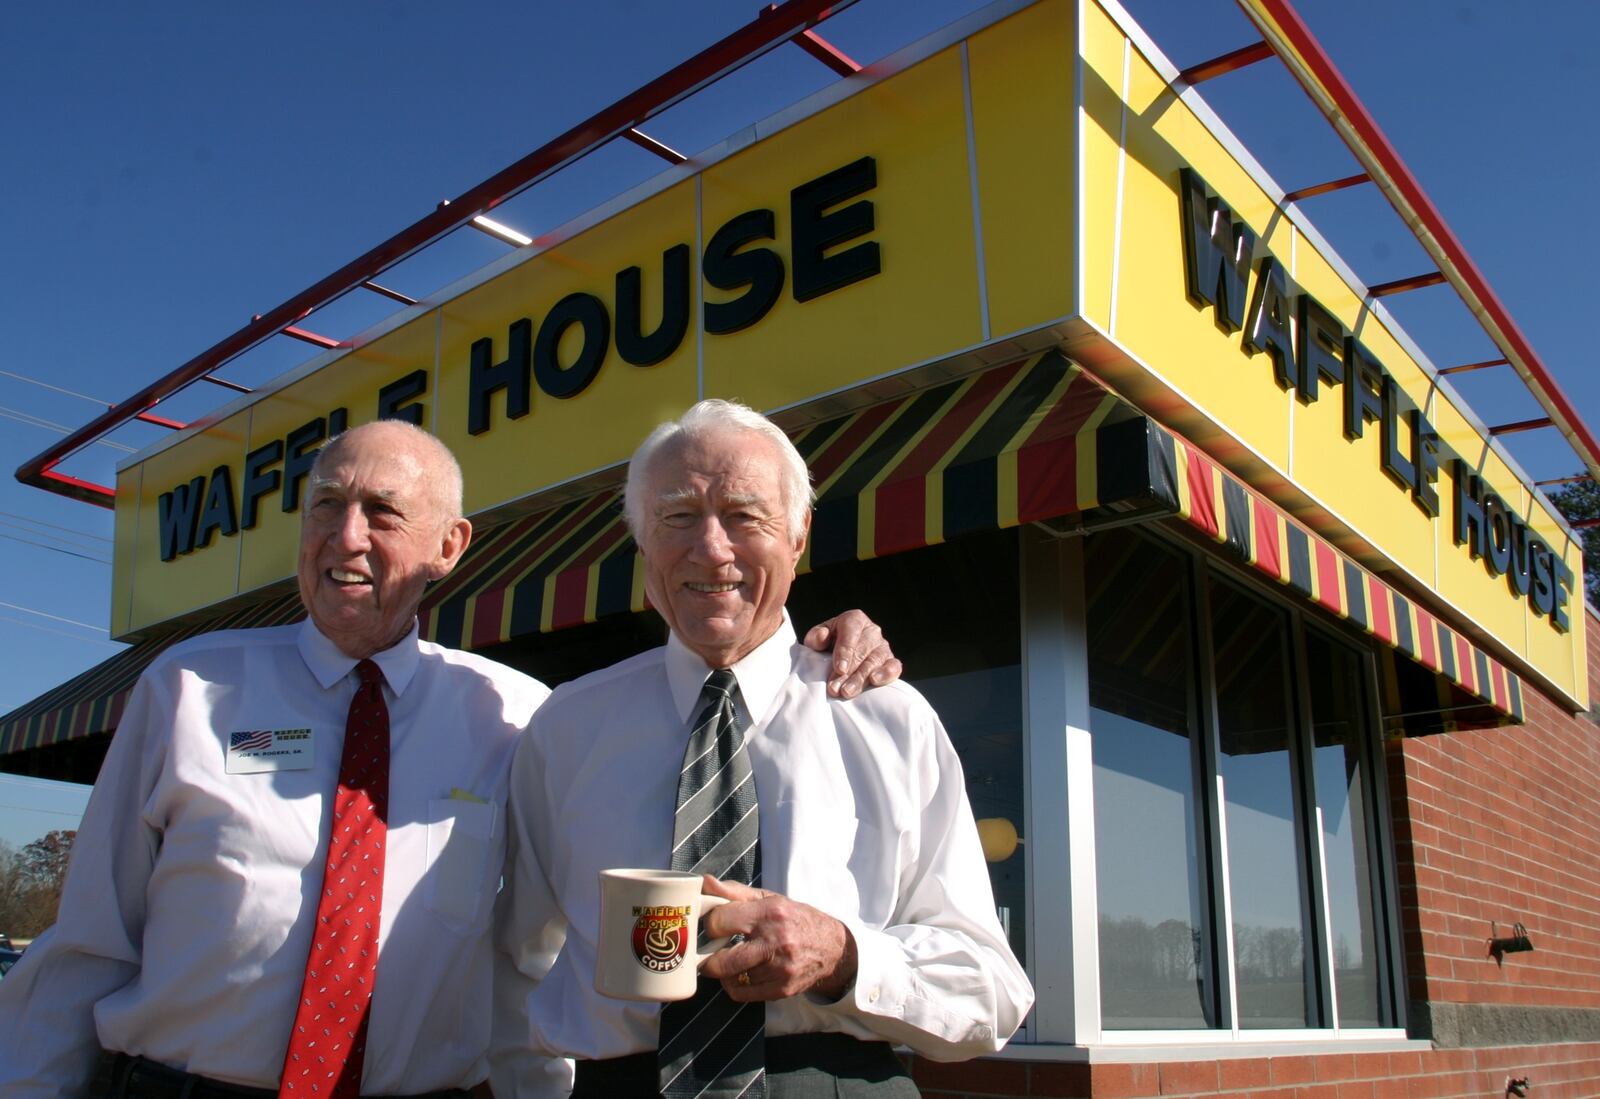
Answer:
(1058, 799)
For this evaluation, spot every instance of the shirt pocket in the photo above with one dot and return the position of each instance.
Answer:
(465, 847)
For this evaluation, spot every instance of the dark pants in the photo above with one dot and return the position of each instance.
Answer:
(799, 1066)
(119, 1076)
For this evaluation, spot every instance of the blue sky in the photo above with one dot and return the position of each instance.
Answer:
(174, 169)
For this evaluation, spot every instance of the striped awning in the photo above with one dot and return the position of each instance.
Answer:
(1032, 440)
(1007, 446)
(1262, 535)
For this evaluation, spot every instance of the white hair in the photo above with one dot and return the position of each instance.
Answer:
(440, 468)
(712, 417)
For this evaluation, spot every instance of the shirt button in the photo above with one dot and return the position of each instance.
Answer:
(872, 996)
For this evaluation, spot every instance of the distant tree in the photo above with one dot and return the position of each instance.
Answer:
(30, 883)
(1581, 500)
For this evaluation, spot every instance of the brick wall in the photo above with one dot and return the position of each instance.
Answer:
(1496, 826)
(1568, 1071)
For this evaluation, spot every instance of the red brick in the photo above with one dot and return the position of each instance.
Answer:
(1188, 1077)
(1372, 1066)
(1129, 1081)
(1254, 1072)
(1334, 1067)
(1070, 1079)
(1356, 1089)
(1291, 1070)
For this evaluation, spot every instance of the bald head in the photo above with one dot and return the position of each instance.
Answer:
(381, 518)
(436, 466)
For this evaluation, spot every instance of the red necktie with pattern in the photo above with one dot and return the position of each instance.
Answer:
(329, 1041)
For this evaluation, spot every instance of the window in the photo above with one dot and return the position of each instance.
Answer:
(953, 614)
(1237, 869)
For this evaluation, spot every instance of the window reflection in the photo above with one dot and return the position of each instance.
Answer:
(1338, 730)
(1253, 727)
(953, 614)
(1153, 954)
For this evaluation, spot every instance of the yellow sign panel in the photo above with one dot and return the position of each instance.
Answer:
(1036, 180)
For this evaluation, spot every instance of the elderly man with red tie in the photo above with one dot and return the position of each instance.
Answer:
(284, 880)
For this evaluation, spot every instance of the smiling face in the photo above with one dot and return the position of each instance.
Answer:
(719, 557)
(373, 533)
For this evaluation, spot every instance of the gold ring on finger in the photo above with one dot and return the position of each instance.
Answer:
(744, 979)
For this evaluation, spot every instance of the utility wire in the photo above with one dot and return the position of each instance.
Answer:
(53, 526)
(47, 534)
(58, 549)
(35, 421)
(53, 617)
(58, 633)
(58, 389)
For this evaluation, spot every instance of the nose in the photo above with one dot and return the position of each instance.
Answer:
(711, 544)
(352, 535)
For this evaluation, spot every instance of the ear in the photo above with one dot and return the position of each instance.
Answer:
(457, 535)
(800, 539)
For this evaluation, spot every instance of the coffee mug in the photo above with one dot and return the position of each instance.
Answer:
(649, 946)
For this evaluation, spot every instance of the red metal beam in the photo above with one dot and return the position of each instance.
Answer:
(305, 336)
(1400, 286)
(1232, 61)
(403, 299)
(1464, 367)
(826, 52)
(226, 384)
(823, 50)
(767, 32)
(651, 145)
(1310, 64)
(160, 421)
(1328, 188)
(1521, 425)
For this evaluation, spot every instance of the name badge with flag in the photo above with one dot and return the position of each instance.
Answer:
(253, 751)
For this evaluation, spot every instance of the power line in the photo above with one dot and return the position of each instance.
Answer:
(35, 421)
(57, 389)
(53, 526)
(58, 633)
(57, 549)
(47, 534)
(53, 617)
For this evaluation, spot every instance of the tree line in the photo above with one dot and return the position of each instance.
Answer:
(30, 883)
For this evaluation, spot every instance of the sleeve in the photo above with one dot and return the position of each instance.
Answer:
(529, 931)
(48, 1041)
(941, 978)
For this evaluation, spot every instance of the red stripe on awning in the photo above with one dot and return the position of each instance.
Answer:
(1202, 496)
(486, 614)
(1047, 464)
(1266, 539)
(1327, 565)
(900, 509)
(571, 599)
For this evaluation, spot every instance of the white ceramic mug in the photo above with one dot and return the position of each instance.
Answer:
(649, 947)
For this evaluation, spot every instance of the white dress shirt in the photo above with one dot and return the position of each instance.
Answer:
(188, 910)
(864, 815)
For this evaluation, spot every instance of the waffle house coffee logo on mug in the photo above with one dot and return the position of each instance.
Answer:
(648, 944)
(660, 936)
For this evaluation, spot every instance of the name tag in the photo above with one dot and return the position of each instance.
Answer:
(255, 750)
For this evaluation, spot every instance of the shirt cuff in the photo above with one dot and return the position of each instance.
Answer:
(883, 980)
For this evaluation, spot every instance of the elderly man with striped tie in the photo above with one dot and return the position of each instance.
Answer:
(838, 830)
(284, 880)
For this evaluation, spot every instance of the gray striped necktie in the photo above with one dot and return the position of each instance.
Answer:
(710, 1045)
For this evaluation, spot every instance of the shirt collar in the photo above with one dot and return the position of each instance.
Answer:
(328, 664)
(760, 674)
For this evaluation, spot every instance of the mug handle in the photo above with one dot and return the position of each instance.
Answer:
(707, 947)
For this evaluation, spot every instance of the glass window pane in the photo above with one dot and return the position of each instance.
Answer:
(953, 614)
(1338, 728)
(1153, 956)
(1254, 719)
